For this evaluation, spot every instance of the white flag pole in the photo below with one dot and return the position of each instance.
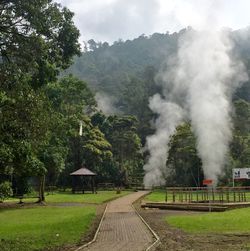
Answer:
(80, 130)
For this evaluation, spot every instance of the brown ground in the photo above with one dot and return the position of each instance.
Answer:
(177, 240)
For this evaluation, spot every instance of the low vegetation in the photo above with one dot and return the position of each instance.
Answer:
(156, 196)
(40, 227)
(100, 197)
(68, 197)
(234, 221)
(160, 196)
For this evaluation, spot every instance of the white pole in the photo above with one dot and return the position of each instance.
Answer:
(233, 176)
(80, 130)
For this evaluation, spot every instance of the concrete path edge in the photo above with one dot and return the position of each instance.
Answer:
(96, 233)
(157, 241)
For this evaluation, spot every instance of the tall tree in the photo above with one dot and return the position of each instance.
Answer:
(183, 160)
(37, 39)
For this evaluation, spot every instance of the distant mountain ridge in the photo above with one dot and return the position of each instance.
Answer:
(109, 68)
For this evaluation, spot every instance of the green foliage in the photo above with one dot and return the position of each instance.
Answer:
(109, 67)
(183, 159)
(121, 133)
(5, 190)
(38, 38)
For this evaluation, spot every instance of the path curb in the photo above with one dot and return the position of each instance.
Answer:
(150, 229)
(157, 241)
(96, 233)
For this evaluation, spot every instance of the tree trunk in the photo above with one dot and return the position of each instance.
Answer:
(41, 189)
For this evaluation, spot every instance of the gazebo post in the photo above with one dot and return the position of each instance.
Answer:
(73, 184)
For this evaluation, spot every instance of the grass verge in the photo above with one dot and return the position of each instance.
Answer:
(233, 222)
(36, 228)
(160, 196)
(156, 196)
(68, 197)
(100, 197)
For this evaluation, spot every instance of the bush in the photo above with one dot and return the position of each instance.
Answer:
(5, 190)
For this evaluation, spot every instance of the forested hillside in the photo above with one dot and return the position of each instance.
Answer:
(127, 71)
(41, 110)
(111, 68)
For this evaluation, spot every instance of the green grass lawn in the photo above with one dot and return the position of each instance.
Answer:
(234, 221)
(160, 195)
(100, 197)
(68, 197)
(156, 196)
(36, 228)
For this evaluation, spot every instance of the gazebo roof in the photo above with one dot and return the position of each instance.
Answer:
(83, 172)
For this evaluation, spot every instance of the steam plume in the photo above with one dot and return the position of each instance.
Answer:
(205, 64)
(106, 103)
(201, 79)
(170, 115)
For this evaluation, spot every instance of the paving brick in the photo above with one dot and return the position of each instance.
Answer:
(122, 229)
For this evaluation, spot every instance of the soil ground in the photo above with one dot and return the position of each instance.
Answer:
(173, 239)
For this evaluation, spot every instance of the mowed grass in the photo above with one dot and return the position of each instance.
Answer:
(156, 196)
(160, 196)
(100, 197)
(36, 228)
(234, 221)
(68, 197)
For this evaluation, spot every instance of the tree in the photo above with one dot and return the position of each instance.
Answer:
(36, 37)
(37, 40)
(183, 159)
(121, 132)
(72, 101)
(240, 145)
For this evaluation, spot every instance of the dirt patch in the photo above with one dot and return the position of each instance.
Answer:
(13, 205)
(173, 239)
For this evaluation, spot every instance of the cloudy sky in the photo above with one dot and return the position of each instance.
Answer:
(109, 20)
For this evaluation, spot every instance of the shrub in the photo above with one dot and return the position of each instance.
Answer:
(5, 190)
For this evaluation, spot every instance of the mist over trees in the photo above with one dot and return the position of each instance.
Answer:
(42, 103)
(128, 71)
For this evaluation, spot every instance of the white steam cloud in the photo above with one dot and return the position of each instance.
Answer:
(170, 115)
(106, 103)
(201, 79)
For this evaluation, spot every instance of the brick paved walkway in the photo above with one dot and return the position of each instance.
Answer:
(122, 229)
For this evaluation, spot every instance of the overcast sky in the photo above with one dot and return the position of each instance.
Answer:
(109, 20)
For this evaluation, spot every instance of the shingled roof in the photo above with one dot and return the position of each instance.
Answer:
(83, 172)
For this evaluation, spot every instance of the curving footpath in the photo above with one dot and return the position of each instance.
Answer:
(121, 228)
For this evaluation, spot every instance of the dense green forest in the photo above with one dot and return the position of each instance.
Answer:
(112, 68)
(42, 103)
(40, 115)
(127, 71)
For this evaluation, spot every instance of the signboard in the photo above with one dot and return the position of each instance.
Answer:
(207, 182)
(241, 173)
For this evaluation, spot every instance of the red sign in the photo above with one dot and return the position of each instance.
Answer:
(207, 182)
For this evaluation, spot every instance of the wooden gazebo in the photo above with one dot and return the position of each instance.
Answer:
(83, 179)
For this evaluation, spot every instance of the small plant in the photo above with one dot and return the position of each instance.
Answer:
(5, 191)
